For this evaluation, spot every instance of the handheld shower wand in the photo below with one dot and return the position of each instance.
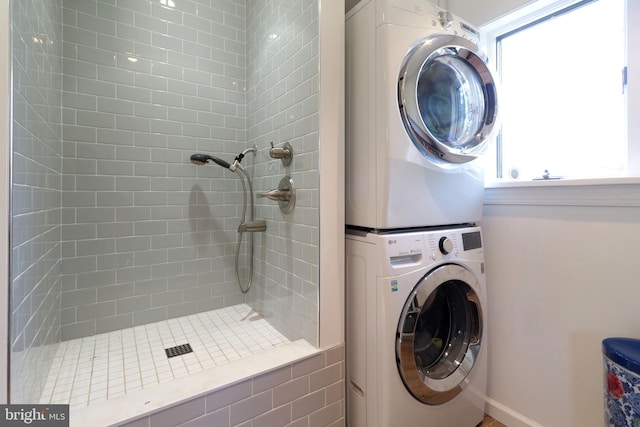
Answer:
(252, 225)
(203, 159)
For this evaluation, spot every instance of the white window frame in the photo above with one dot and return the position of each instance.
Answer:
(541, 8)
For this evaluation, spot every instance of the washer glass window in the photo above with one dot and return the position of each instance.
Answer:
(439, 334)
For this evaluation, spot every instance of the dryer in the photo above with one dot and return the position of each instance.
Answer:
(421, 107)
(416, 341)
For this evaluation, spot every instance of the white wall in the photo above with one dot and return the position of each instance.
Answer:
(481, 12)
(332, 69)
(562, 274)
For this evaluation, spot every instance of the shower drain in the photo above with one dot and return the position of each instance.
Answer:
(178, 350)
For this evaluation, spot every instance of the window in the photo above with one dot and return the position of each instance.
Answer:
(563, 98)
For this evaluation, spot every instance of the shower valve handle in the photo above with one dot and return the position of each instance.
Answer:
(276, 195)
(284, 153)
(285, 194)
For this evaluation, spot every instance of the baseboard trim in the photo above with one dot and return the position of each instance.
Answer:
(506, 415)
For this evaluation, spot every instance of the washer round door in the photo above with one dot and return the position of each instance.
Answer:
(439, 334)
(447, 99)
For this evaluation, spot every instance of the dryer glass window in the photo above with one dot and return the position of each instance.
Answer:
(451, 100)
(447, 99)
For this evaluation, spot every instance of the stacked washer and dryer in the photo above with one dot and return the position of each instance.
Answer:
(421, 108)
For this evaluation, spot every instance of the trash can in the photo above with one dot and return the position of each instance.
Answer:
(621, 382)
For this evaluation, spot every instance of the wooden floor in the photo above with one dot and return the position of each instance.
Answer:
(490, 422)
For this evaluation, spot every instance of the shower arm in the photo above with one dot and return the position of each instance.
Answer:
(236, 162)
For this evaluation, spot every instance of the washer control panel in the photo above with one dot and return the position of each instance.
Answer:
(404, 246)
(404, 250)
(445, 245)
(421, 248)
(471, 240)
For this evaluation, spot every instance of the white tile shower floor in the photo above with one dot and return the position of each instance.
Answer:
(110, 365)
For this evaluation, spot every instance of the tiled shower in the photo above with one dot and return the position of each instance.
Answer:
(112, 226)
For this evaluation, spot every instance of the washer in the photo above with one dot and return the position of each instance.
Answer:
(416, 347)
(421, 106)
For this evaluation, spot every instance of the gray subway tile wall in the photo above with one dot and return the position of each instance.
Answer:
(112, 226)
(282, 92)
(138, 101)
(36, 197)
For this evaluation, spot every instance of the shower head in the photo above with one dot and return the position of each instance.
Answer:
(202, 159)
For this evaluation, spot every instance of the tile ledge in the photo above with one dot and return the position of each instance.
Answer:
(145, 402)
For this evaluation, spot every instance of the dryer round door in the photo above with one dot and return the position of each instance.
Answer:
(439, 334)
(448, 99)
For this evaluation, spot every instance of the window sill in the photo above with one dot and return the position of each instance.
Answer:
(617, 192)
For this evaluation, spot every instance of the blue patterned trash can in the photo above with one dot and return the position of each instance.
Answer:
(621, 382)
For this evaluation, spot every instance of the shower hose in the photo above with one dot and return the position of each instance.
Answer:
(244, 176)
